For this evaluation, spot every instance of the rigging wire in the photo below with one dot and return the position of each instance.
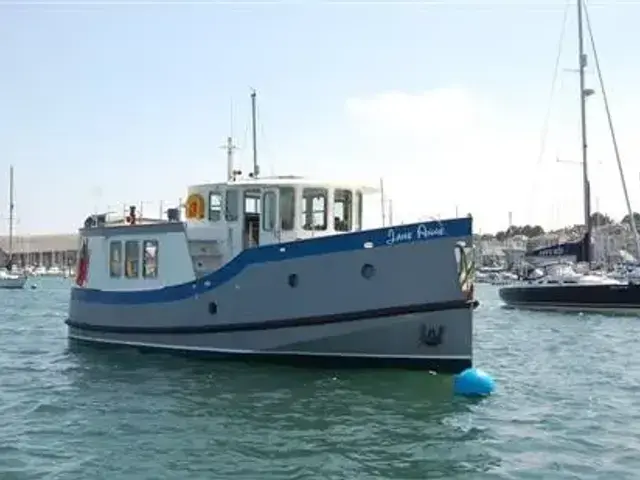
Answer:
(266, 145)
(616, 150)
(545, 126)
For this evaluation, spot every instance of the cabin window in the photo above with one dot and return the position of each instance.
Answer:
(115, 259)
(342, 208)
(252, 202)
(215, 206)
(314, 209)
(287, 208)
(269, 211)
(132, 258)
(150, 259)
(232, 205)
(358, 216)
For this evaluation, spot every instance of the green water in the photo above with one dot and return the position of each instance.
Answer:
(567, 406)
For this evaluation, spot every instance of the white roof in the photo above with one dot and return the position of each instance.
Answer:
(292, 180)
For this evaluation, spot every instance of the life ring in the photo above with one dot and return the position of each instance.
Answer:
(195, 206)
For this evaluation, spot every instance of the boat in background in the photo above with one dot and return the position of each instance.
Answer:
(564, 289)
(8, 279)
(556, 284)
(11, 281)
(278, 269)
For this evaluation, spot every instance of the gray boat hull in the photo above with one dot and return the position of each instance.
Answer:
(407, 311)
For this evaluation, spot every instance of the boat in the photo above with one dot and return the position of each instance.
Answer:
(8, 279)
(278, 269)
(561, 287)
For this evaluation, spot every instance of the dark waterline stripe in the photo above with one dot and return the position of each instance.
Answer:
(282, 323)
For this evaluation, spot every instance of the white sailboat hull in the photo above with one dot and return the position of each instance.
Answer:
(12, 282)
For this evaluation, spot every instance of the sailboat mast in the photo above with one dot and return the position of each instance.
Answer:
(11, 208)
(256, 168)
(582, 59)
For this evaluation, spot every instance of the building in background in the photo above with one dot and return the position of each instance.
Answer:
(41, 250)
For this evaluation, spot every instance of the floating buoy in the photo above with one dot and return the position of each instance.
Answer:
(473, 382)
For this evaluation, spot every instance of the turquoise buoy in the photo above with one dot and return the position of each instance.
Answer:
(473, 382)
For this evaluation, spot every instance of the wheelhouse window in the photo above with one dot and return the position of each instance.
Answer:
(358, 217)
(342, 208)
(287, 208)
(314, 209)
(251, 202)
(115, 259)
(269, 211)
(132, 259)
(215, 206)
(232, 205)
(150, 259)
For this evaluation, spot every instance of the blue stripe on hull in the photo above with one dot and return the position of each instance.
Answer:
(455, 228)
(427, 363)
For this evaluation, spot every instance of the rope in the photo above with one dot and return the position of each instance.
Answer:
(556, 70)
(611, 129)
(466, 271)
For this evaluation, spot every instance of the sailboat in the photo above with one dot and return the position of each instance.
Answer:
(560, 288)
(9, 280)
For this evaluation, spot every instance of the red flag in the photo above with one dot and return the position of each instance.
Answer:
(83, 265)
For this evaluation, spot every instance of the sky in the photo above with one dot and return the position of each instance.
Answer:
(110, 103)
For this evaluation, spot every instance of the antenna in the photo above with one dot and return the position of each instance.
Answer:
(382, 206)
(230, 148)
(231, 116)
(256, 167)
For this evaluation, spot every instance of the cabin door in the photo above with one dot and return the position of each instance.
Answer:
(270, 217)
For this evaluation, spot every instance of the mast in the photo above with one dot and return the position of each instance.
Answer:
(11, 208)
(256, 168)
(582, 59)
(230, 147)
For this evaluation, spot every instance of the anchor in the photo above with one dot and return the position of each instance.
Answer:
(431, 336)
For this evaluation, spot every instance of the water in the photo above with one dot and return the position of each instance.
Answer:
(566, 407)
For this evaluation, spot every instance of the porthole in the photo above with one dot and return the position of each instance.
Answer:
(368, 271)
(213, 308)
(293, 280)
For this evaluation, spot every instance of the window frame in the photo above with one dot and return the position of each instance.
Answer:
(357, 221)
(319, 192)
(269, 210)
(127, 259)
(347, 209)
(287, 216)
(220, 207)
(144, 258)
(250, 196)
(120, 264)
(230, 216)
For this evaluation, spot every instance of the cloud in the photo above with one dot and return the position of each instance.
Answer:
(444, 150)
(428, 116)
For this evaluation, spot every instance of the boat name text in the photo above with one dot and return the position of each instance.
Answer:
(421, 232)
(553, 251)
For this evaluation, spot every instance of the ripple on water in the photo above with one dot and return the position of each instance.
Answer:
(566, 407)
